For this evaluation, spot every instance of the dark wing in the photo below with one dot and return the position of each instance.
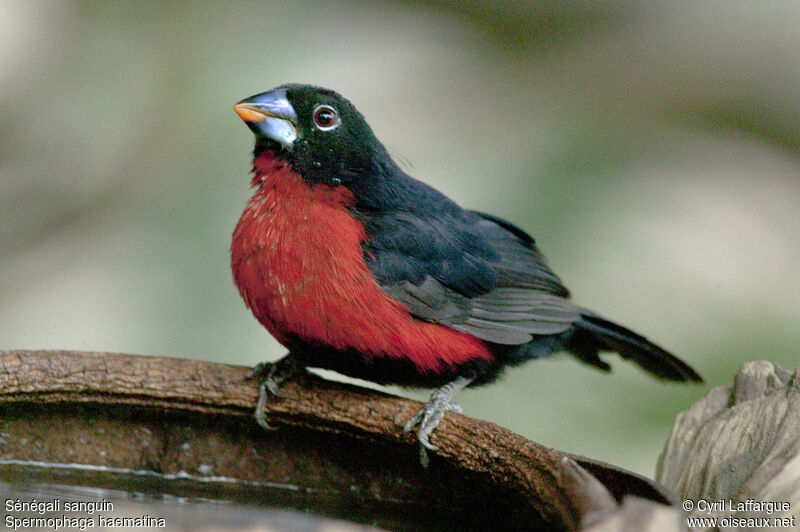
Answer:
(484, 276)
(471, 271)
(521, 264)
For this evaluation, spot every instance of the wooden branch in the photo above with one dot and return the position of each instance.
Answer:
(171, 416)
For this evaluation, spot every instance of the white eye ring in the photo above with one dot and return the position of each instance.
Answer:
(326, 118)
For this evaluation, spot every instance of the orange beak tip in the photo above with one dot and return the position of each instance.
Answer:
(247, 114)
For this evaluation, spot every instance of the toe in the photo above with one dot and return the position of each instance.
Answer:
(425, 442)
(261, 408)
(411, 423)
(274, 388)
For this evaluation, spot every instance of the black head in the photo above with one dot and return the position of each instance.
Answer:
(320, 133)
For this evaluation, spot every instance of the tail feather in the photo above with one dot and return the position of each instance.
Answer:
(593, 334)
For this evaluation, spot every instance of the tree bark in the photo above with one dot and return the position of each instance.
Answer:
(170, 416)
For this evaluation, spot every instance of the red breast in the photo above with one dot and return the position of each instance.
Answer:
(298, 263)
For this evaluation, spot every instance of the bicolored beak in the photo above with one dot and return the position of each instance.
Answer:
(270, 115)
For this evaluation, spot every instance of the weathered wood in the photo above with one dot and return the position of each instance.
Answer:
(639, 515)
(740, 442)
(126, 399)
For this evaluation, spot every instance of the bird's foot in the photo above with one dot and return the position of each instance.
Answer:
(429, 416)
(272, 375)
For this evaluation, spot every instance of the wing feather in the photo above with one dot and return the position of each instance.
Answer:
(477, 274)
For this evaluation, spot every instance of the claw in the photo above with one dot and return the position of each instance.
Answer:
(272, 375)
(261, 407)
(429, 416)
(274, 387)
(411, 423)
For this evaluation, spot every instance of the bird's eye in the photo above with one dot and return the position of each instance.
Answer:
(326, 118)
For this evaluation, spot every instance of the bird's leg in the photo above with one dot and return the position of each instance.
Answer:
(431, 414)
(273, 374)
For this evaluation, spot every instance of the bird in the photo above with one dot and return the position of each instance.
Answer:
(357, 267)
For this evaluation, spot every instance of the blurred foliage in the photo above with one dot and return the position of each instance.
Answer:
(652, 149)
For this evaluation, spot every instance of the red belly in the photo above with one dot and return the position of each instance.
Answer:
(298, 263)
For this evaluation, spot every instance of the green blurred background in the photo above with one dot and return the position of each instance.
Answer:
(650, 147)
